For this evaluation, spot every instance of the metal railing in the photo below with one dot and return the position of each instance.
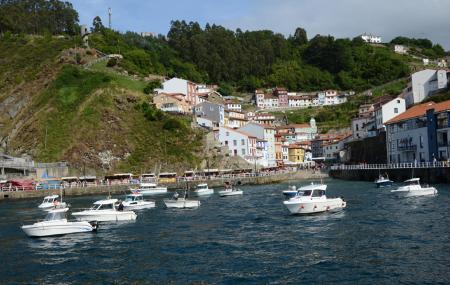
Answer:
(103, 183)
(437, 164)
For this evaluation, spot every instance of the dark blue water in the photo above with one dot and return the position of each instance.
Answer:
(378, 239)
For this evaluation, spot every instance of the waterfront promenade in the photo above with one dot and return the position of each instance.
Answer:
(430, 172)
(181, 183)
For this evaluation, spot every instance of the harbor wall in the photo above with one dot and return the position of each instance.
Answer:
(427, 175)
(122, 189)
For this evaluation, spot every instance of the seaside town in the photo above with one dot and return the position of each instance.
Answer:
(140, 148)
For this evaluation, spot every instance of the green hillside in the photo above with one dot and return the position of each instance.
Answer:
(93, 119)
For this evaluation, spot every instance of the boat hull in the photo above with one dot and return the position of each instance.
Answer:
(181, 204)
(54, 229)
(230, 193)
(203, 192)
(312, 207)
(50, 206)
(155, 191)
(428, 191)
(109, 216)
(384, 184)
(139, 206)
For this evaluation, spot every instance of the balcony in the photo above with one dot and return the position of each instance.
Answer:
(407, 148)
(443, 144)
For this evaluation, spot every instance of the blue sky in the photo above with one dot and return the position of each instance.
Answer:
(340, 18)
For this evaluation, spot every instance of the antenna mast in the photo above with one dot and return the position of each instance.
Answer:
(109, 13)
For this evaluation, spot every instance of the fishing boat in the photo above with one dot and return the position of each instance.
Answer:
(293, 190)
(147, 189)
(202, 189)
(412, 187)
(181, 202)
(55, 223)
(135, 201)
(313, 201)
(383, 181)
(52, 202)
(105, 211)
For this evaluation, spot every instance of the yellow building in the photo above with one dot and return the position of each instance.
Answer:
(296, 154)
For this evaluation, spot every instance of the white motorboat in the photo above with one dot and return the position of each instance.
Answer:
(202, 189)
(181, 202)
(148, 189)
(56, 223)
(293, 190)
(52, 202)
(135, 201)
(412, 188)
(313, 201)
(105, 211)
(383, 182)
(230, 192)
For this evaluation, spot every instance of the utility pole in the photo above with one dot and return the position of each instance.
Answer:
(109, 14)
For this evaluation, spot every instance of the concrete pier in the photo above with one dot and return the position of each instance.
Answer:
(122, 189)
(431, 175)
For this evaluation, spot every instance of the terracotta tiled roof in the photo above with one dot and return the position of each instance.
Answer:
(420, 110)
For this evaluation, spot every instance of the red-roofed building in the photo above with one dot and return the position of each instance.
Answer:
(419, 134)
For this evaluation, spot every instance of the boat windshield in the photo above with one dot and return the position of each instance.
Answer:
(129, 198)
(318, 193)
(409, 183)
(307, 193)
(201, 187)
(55, 216)
(103, 207)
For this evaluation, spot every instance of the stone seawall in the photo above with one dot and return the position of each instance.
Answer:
(122, 189)
(426, 175)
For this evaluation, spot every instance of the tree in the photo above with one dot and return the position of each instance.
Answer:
(151, 86)
(300, 37)
(97, 25)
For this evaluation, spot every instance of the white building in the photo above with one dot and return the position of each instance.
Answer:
(401, 49)
(369, 38)
(263, 132)
(233, 106)
(238, 142)
(423, 84)
(388, 111)
(181, 86)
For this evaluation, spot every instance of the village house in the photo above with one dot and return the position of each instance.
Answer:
(387, 111)
(423, 84)
(298, 132)
(262, 152)
(401, 49)
(213, 112)
(419, 134)
(369, 38)
(172, 103)
(261, 118)
(238, 142)
(267, 133)
(296, 154)
(334, 149)
(235, 119)
(230, 105)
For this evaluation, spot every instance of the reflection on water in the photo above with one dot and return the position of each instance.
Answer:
(378, 238)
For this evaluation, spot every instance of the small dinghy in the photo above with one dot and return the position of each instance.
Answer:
(383, 181)
(229, 190)
(56, 223)
(181, 202)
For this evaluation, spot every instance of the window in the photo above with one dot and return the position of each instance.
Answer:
(235, 152)
(395, 110)
(226, 142)
(235, 142)
(243, 151)
(242, 142)
(227, 134)
(398, 101)
(421, 141)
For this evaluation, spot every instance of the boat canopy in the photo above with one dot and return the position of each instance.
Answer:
(412, 180)
(51, 197)
(105, 202)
